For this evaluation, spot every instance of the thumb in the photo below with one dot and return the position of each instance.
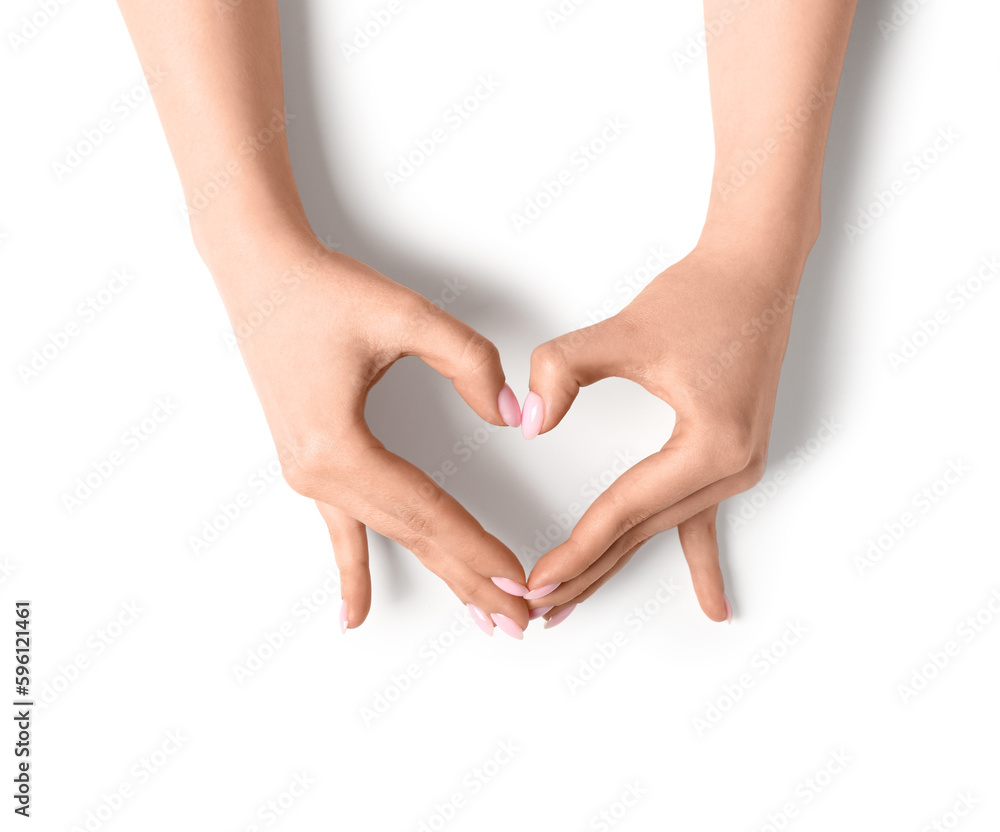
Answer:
(700, 543)
(350, 549)
(559, 368)
(471, 361)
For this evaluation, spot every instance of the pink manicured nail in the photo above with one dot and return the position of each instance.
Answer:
(483, 621)
(541, 592)
(343, 617)
(510, 587)
(508, 625)
(729, 610)
(531, 415)
(538, 613)
(510, 410)
(559, 617)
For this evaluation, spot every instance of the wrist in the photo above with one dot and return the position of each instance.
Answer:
(245, 224)
(777, 233)
(778, 208)
(769, 250)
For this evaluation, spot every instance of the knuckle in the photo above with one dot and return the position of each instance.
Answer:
(754, 471)
(418, 519)
(419, 546)
(292, 475)
(696, 531)
(626, 516)
(352, 578)
(632, 538)
(313, 458)
(479, 353)
(416, 524)
(298, 477)
(475, 592)
(412, 319)
(549, 358)
(470, 591)
(732, 446)
(479, 559)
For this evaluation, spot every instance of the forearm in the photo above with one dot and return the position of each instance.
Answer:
(773, 74)
(222, 110)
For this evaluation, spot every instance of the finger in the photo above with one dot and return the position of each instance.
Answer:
(559, 613)
(681, 511)
(647, 488)
(488, 605)
(571, 590)
(560, 367)
(417, 513)
(699, 507)
(461, 354)
(700, 543)
(398, 500)
(416, 508)
(350, 550)
(491, 606)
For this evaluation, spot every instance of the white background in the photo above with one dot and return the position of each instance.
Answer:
(584, 728)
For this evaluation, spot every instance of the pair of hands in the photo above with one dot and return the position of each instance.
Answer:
(317, 329)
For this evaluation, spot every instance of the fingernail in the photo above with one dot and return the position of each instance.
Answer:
(343, 617)
(482, 620)
(538, 613)
(559, 617)
(508, 625)
(510, 587)
(729, 610)
(541, 592)
(531, 415)
(510, 410)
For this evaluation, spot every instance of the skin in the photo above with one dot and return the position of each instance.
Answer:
(708, 335)
(334, 325)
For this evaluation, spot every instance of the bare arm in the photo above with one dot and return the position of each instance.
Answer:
(773, 75)
(222, 108)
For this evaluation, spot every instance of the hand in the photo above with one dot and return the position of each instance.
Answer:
(317, 329)
(707, 336)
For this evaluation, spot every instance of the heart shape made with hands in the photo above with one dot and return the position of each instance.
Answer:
(708, 346)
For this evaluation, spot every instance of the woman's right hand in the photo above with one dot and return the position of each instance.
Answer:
(317, 329)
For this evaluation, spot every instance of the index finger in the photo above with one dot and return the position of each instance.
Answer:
(647, 488)
(395, 498)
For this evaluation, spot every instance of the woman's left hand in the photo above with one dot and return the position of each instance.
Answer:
(707, 336)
